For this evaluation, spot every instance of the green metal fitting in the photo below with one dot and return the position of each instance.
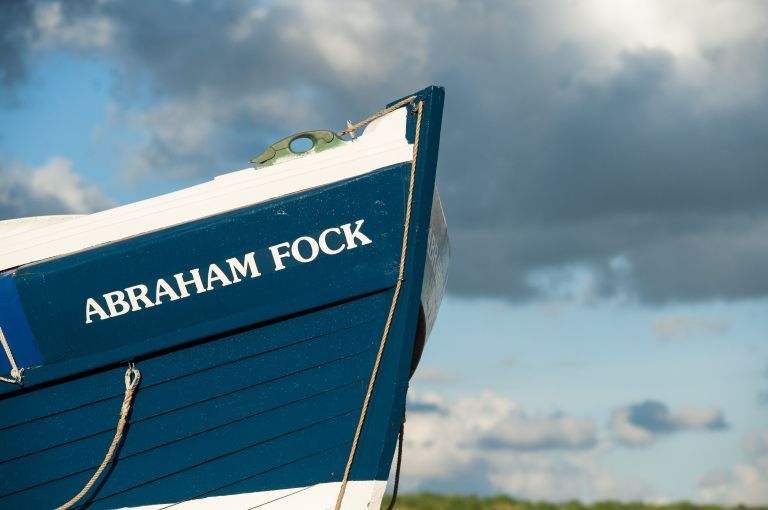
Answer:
(321, 140)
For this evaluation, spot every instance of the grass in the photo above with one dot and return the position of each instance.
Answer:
(428, 501)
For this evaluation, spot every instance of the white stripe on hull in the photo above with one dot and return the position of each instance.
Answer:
(360, 495)
(382, 144)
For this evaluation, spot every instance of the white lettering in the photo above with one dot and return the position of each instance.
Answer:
(114, 300)
(314, 249)
(304, 249)
(356, 234)
(138, 293)
(243, 268)
(183, 284)
(324, 241)
(215, 274)
(278, 257)
(92, 307)
(164, 289)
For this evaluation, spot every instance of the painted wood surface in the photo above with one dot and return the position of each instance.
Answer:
(249, 388)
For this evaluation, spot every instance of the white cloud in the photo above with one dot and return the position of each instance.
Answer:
(642, 423)
(57, 179)
(678, 326)
(184, 132)
(518, 431)
(577, 284)
(359, 41)
(432, 374)
(745, 483)
(488, 443)
(707, 52)
(53, 188)
(82, 33)
(628, 433)
(564, 477)
(699, 418)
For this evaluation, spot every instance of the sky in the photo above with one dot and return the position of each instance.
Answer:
(603, 167)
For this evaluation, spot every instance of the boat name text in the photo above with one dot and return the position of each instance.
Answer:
(303, 250)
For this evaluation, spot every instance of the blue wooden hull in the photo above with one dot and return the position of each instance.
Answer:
(247, 387)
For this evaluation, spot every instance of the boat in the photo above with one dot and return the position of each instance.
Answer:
(244, 343)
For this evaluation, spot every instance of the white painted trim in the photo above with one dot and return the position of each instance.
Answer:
(359, 495)
(382, 144)
(10, 228)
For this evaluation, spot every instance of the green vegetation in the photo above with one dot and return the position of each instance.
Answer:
(443, 502)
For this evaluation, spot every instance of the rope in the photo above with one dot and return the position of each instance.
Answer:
(17, 374)
(397, 467)
(132, 378)
(351, 128)
(396, 295)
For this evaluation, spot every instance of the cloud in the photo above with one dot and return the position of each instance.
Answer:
(679, 326)
(499, 423)
(432, 374)
(85, 32)
(756, 444)
(563, 478)
(53, 188)
(17, 15)
(487, 443)
(522, 432)
(28, 26)
(642, 423)
(745, 483)
(575, 134)
(427, 403)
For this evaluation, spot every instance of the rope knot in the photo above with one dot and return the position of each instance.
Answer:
(18, 374)
(132, 377)
(350, 130)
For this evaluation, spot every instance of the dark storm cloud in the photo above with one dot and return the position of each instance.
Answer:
(621, 168)
(548, 162)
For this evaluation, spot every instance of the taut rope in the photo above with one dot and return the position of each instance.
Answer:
(351, 128)
(398, 286)
(132, 378)
(17, 374)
